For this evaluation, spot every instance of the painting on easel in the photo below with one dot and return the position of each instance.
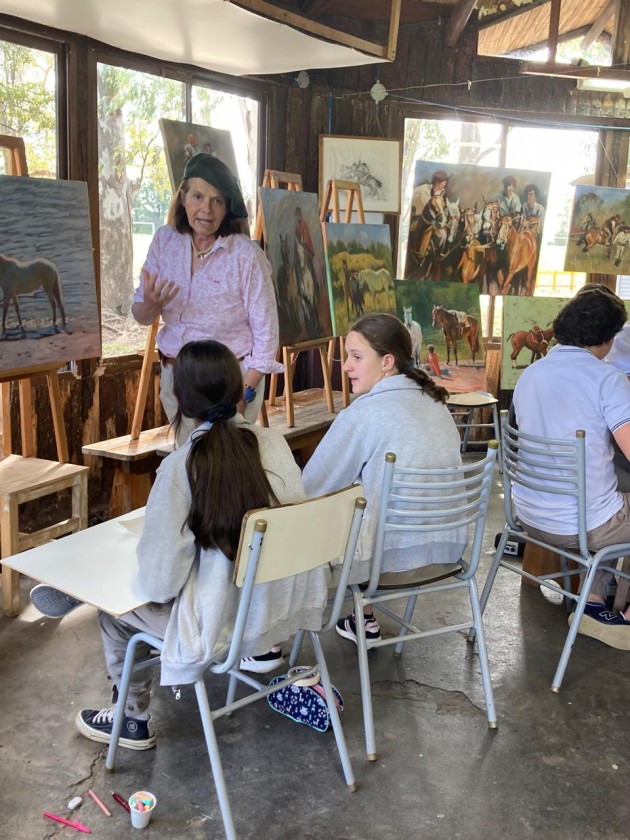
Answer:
(184, 140)
(49, 310)
(527, 334)
(360, 271)
(294, 245)
(444, 321)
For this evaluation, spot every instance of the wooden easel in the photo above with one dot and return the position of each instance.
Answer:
(332, 193)
(274, 179)
(17, 166)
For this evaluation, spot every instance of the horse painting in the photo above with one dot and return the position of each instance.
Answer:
(23, 278)
(456, 326)
(521, 253)
(415, 333)
(536, 340)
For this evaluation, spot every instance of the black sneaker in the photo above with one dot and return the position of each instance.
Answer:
(602, 624)
(347, 628)
(264, 663)
(96, 724)
(51, 602)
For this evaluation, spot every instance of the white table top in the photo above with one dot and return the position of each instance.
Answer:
(98, 565)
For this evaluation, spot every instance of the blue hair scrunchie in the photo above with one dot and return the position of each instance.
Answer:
(224, 410)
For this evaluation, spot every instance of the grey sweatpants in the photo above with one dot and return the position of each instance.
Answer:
(116, 632)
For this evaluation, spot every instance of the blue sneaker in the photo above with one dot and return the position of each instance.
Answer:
(97, 724)
(51, 602)
(602, 624)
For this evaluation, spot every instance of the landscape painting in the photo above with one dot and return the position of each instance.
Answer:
(448, 318)
(49, 309)
(185, 140)
(599, 235)
(294, 246)
(360, 271)
(477, 225)
(527, 334)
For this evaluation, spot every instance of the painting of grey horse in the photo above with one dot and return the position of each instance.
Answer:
(49, 308)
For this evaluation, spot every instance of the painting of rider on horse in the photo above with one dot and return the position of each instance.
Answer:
(527, 334)
(476, 225)
(599, 231)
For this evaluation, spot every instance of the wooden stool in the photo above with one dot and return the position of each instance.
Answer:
(23, 480)
(464, 406)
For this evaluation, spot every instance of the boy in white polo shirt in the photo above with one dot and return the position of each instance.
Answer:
(571, 388)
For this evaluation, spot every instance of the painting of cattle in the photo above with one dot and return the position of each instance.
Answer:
(360, 271)
(599, 234)
(527, 334)
(476, 225)
(49, 309)
(446, 319)
(294, 246)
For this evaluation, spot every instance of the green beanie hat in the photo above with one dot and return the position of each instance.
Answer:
(217, 174)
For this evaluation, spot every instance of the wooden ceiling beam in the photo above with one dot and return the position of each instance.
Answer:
(598, 25)
(457, 21)
(572, 71)
(554, 28)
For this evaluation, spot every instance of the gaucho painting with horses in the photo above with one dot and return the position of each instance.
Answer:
(527, 334)
(599, 231)
(476, 225)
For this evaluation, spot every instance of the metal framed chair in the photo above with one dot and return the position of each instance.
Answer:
(463, 408)
(425, 501)
(557, 467)
(275, 543)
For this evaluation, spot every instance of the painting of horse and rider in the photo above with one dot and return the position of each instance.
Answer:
(360, 271)
(476, 225)
(599, 236)
(294, 245)
(444, 322)
(49, 308)
(527, 334)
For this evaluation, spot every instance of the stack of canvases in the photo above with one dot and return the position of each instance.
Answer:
(472, 230)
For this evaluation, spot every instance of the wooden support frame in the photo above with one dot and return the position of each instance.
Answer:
(319, 30)
(331, 194)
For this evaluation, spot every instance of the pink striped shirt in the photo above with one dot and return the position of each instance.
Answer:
(230, 298)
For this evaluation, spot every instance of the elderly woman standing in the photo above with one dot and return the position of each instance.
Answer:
(208, 280)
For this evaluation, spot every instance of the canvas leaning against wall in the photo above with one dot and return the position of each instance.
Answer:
(49, 311)
(294, 246)
(448, 318)
(477, 224)
(527, 334)
(360, 271)
(600, 231)
(185, 140)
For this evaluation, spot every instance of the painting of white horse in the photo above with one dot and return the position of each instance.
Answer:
(23, 278)
(47, 284)
(415, 332)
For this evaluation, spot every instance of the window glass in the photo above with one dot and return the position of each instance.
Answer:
(239, 116)
(570, 156)
(134, 189)
(28, 80)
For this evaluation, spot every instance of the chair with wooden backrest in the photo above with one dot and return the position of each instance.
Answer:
(275, 543)
(425, 501)
(556, 467)
(25, 478)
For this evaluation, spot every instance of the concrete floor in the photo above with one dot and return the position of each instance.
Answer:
(557, 767)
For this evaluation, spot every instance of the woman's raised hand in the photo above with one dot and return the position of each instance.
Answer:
(158, 293)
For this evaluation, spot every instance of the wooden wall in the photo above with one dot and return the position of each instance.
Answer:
(98, 401)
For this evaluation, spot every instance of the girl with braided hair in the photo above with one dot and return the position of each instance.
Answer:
(398, 408)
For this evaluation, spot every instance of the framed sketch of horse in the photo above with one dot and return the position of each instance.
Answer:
(183, 140)
(360, 271)
(49, 310)
(373, 162)
(446, 321)
(476, 225)
(599, 233)
(294, 246)
(527, 334)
